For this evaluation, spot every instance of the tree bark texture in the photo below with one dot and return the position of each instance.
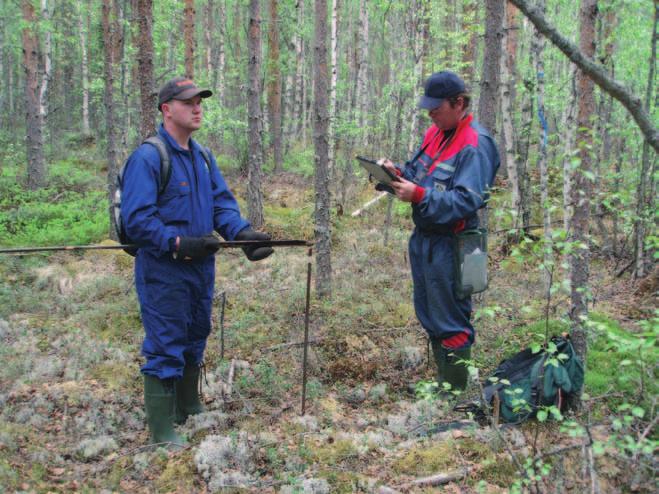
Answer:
(469, 22)
(334, 48)
(84, 66)
(646, 193)
(322, 232)
(148, 100)
(362, 71)
(582, 188)
(47, 72)
(255, 156)
(274, 86)
(299, 112)
(36, 164)
(596, 72)
(111, 45)
(487, 103)
(189, 37)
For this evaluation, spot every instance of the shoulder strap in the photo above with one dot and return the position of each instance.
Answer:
(205, 152)
(165, 162)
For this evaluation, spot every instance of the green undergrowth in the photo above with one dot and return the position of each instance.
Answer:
(70, 210)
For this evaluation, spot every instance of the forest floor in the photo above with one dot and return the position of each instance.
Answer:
(71, 403)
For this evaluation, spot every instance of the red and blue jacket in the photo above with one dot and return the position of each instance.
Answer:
(454, 171)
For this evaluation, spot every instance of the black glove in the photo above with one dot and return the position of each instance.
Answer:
(254, 253)
(196, 248)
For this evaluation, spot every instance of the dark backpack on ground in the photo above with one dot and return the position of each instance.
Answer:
(528, 381)
(165, 174)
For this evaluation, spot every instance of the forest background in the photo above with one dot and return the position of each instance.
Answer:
(300, 88)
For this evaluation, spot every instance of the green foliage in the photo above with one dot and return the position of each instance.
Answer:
(71, 210)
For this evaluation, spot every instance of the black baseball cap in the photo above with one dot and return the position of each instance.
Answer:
(439, 86)
(180, 88)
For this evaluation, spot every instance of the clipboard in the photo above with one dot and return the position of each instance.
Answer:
(377, 171)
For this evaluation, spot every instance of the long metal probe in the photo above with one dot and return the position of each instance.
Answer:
(234, 244)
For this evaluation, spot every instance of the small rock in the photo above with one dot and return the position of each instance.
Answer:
(91, 448)
(411, 357)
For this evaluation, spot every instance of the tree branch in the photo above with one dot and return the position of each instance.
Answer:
(593, 70)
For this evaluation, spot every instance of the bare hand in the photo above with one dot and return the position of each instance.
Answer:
(388, 164)
(404, 189)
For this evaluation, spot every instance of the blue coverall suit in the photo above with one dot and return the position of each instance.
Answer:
(175, 296)
(453, 175)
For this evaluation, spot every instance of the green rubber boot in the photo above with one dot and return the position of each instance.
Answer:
(160, 403)
(448, 369)
(187, 394)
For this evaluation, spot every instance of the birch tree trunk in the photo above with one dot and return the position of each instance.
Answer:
(36, 164)
(47, 73)
(148, 100)
(274, 85)
(568, 124)
(255, 156)
(418, 34)
(580, 221)
(189, 38)
(646, 193)
(362, 72)
(331, 160)
(84, 66)
(209, 28)
(322, 231)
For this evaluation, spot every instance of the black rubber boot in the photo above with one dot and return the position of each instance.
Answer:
(187, 394)
(160, 405)
(448, 369)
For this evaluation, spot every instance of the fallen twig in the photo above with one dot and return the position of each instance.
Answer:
(438, 479)
(368, 205)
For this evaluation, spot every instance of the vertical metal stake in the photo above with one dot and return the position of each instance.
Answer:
(306, 336)
(224, 303)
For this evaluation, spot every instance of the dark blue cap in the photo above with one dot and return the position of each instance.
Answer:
(438, 86)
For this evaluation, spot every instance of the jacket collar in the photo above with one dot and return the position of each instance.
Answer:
(172, 142)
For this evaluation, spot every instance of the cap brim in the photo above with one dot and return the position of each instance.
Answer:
(192, 92)
(428, 103)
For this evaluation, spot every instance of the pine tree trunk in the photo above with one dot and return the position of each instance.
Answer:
(487, 103)
(469, 23)
(255, 156)
(110, 42)
(274, 86)
(582, 189)
(145, 68)
(36, 164)
(299, 114)
(84, 65)
(507, 85)
(321, 125)
(189, 38)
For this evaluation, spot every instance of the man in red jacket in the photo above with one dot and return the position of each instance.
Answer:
(446, 182)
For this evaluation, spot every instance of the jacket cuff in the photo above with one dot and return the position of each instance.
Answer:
(418, 195)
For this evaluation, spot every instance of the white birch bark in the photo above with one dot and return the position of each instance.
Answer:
(332, 90)
(362, 72)
(84, 65)
(568, 124)
(47, 62)
(413, 142)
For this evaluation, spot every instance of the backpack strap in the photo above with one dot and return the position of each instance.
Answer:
(205, 152)
(165, 161)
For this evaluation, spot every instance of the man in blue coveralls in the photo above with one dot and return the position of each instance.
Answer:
(175, 263)
(446, 182)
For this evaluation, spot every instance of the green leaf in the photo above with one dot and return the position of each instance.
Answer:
(638, 412)
(542, 415)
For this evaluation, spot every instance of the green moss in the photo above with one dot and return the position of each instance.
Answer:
(178, 476)
(116, 376)
(440, 457)
(335, 453)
